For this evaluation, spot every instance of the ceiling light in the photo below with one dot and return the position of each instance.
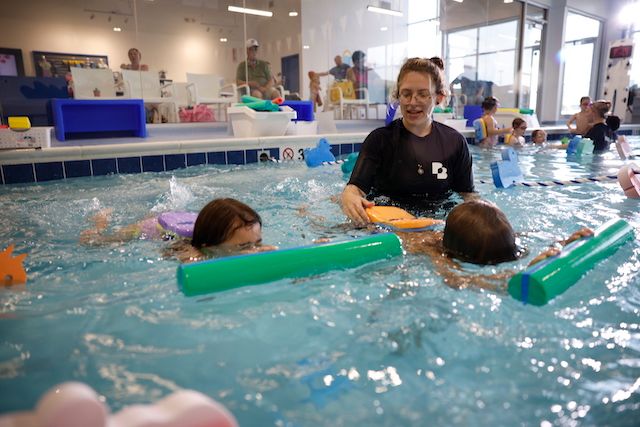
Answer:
(293, 13)
(223, 39)
(458, 1)
(508, 1)
(384, 11)
(250, 11)
(306, 46)
(117, 29)
(384, 28)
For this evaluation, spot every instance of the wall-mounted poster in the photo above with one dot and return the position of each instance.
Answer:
(11, 62)
(56, 64)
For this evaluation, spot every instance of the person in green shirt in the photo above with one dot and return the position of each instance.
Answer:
(260, 80)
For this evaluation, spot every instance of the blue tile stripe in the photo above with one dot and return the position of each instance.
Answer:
(48, 171)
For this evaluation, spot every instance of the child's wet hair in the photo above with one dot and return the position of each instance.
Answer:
(219, 219)
(489, 103)
(479, 232)
(517, 122)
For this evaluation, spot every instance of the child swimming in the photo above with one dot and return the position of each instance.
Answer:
(222, 227)
(492, 241)
(538, 137)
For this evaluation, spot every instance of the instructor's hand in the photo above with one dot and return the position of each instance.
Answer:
(354, 204)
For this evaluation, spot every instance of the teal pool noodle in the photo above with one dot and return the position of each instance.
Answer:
(243, 270)
(548, 278)
(248, 99)
(261, 105)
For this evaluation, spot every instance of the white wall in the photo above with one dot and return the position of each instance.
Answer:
(64, 26)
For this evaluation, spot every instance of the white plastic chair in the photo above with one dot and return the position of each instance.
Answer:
(349, 104)
(209, 89)
(93, 83)
(181, 94)
(146, 85)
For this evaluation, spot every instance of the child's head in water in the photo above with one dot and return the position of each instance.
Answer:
(538, 136)
(479, 232)
(519, 126)
(229, 222)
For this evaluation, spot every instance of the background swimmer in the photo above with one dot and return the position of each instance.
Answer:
(581, 119)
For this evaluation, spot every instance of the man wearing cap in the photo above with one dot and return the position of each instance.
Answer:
(260, 79)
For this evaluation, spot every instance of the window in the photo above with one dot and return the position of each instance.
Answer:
(424, 36)
(578, 55)
(481, 62)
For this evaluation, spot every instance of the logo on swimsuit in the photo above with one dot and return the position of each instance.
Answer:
(439, 170)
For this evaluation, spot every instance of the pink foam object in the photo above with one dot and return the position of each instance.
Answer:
(75, 404)
(629, 180)
(624, 150)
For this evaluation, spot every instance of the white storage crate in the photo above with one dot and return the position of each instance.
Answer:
(457, 124)
(36, 137)
(302, 127)
(247, 122)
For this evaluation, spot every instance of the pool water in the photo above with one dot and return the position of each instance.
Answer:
(385, 344)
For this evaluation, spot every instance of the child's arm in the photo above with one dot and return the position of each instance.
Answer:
(96, 236)
(430, 243)
(554, 250)
(492, 130)
(571, 120)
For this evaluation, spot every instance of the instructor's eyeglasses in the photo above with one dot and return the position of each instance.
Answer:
(422, 95)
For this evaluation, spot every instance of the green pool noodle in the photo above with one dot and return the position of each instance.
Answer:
(261, 105)
(527, 111)
(549, 278)
(349, 163)
(246, 99)
(244, 270)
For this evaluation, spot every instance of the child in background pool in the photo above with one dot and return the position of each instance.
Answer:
(223, 227)
(489, 108)
(538, 137)
(516, 137)
(582, 119)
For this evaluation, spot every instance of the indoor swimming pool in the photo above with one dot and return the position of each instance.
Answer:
(385, 344)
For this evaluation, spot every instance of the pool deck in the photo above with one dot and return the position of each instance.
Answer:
(175, 146)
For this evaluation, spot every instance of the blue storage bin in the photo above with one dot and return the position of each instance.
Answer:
(303, 108)
(84, 118)
(472, 112)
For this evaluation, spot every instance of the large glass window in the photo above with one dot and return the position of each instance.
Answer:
(425, 37)
(481, 62)
(579, 55)
(531, 54)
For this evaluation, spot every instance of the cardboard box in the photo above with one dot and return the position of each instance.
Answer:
(36, 137)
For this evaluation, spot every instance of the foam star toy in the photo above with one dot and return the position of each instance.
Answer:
(11, 269)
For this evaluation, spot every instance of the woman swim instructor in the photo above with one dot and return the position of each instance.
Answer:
(413, 158)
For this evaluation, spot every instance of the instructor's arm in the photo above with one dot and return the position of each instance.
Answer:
(354, 204)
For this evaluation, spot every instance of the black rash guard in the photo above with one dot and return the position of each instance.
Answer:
(390, 159)
(600, 134)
